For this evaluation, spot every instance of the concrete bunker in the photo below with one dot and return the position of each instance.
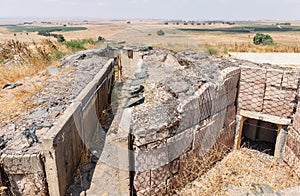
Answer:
(267, 101)
(193, 105)
(259, 135)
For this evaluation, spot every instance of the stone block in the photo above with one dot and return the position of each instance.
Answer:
(230, 114)
(159, 176)
(279, 94)
(252, 89)
(174, 166)
(195, 109)
(151, 159)
(231, 96)
(205, 105)
(146, 192)
(199, 136)
(253, 75)
(278, 108)
(231, 82)
(150, 136)
(193, 117)
(296, 122)
(290, 79)
(231, 72)
(293, 142)
(142, 180)
(292, 160)
(175, 183)
(22, 164)
(159, 190)
(250, 103)
(28, 184)
(179, 144)
(226, 137)
(189, 166)
(206, 137)
(274, 77)
(221, 99)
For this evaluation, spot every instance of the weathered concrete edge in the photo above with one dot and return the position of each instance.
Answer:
(79, 101)
(49, 150)
(88, 91)
(48, 141)
(265, 117)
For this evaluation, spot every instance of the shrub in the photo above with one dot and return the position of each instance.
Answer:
(60, 38)
(100, 39)
(75, 45)
(263, 39)
(160, 33)
(212, 51)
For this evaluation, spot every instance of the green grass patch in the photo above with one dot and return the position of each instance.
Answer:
(212, 51)
(226, 30)
(272, 28)
(247, 29)
(45, 29)
(79, 44)
(56, 55)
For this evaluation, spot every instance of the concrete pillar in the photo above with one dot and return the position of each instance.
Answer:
(239, 131)
(118, 68)
(280, 141)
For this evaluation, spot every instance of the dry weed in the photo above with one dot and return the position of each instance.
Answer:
(238, 171)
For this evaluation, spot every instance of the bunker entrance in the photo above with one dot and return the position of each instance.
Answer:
(259, 135)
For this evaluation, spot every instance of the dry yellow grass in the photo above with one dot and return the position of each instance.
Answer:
(243, 42)
(24, 59)
(16, 101)
(144, 33)
(238, 171)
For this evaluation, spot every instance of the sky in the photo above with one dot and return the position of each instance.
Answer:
(152, 9)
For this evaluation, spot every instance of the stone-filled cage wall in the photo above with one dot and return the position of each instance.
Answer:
(167, 158)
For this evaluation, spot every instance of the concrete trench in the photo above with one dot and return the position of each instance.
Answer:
(170, 112)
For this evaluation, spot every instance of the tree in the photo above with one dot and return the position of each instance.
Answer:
(263, 39)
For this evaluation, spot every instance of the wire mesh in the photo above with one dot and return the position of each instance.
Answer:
(269, 91)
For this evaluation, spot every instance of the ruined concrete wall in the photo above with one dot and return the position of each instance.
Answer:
(75, 130)
(25, 174)
(168, 157)
(22, 165)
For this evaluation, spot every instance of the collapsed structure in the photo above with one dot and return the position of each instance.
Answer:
(171, 112)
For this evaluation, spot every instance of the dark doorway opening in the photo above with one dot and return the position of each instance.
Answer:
(259, 135)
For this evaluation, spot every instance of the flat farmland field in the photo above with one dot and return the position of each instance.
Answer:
(220, 37)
